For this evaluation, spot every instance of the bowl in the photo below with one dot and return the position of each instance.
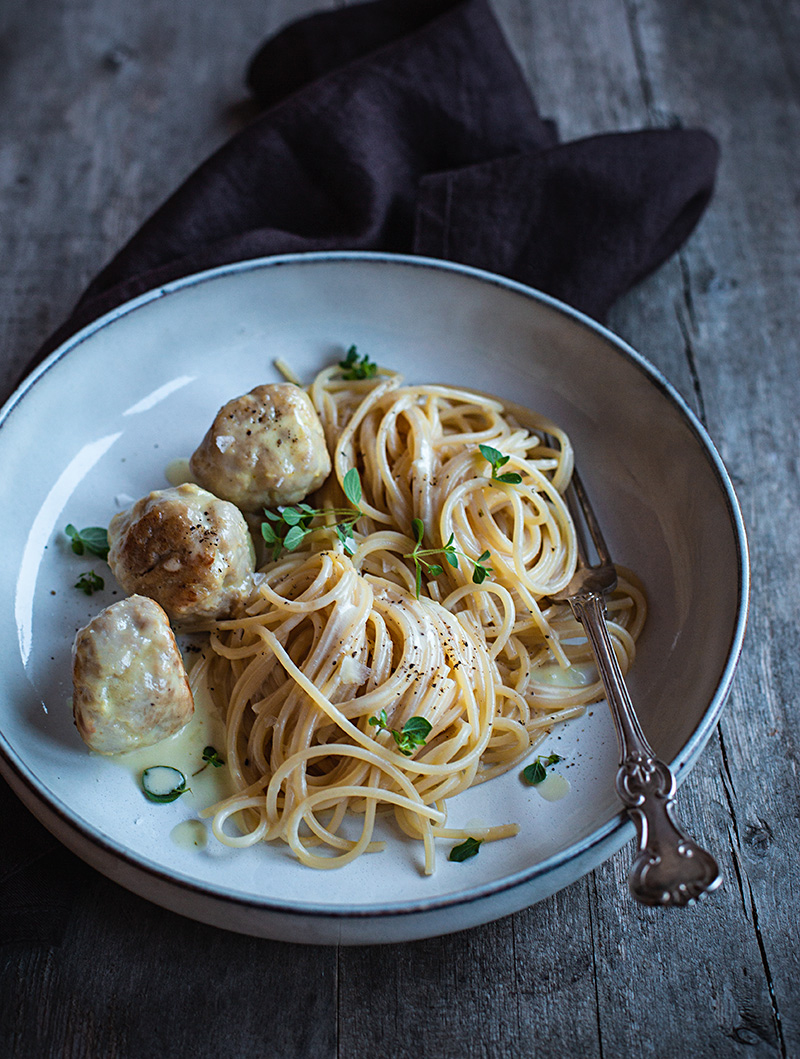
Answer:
(102, 419)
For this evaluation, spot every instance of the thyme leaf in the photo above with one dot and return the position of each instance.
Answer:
(163, 783)
(287, 528)
(496, 460)
(93, 539)
(468, 848)
(537, 770)
(414, 732)
(355, 367)
(212, 757)
(90, 582)
(480, 572)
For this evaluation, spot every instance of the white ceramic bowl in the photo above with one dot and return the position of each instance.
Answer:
(99, 421)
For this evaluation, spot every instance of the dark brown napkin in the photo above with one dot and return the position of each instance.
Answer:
(400, 125)
(406, 126)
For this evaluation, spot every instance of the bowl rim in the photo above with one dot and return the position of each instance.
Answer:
(618, 829)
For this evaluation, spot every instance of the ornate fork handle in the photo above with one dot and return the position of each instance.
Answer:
(670, 868)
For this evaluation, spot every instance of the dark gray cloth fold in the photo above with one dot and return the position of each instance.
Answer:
(406, 126)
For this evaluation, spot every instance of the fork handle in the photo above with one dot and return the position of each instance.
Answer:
(670, 868)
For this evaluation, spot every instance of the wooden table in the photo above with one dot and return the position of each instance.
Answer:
(105, 107)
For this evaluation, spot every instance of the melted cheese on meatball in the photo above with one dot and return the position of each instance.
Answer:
(185, 548)
(264, 449)
(129, 684)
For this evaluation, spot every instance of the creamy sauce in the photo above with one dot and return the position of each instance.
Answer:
(578, 675)
(190, 834)
(184, 751)
(553, 787)
(177, 472)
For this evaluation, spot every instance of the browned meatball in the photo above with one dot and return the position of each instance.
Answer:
(129, 684)
(264, 449)
(186, 549)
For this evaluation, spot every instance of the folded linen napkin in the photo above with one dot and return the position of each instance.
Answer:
(398, 125)
(406, 126)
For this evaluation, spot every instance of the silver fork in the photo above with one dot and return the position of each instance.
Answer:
(670, 868)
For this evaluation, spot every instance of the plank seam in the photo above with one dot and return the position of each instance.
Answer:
(645, 85)
(686, 326)
(592, 885)
(337, 992)
(748, 897)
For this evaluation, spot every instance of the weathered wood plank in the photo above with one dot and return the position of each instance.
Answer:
(520, 986)
(106, 108)
(743, 272)
(130, 979)
(640, 988)
(443, 997)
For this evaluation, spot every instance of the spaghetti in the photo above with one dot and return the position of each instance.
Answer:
(336, 652)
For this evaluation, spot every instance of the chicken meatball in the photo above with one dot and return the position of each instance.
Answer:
(186, 549)
(130, 686)
(264, 449)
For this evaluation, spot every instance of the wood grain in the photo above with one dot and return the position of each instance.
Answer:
(104, 108)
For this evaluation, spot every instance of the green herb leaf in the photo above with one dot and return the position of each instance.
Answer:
(355, 367)
(90, 582)
(419, 554)
(381, 720)
(537, 770)
(291, 516)
(493, 456)
(496, 460)
(413, 733)
(351, 484)
(93, 539)
(295, 522)
(468, 848)
(534, 773)
(212, 757)
(294, 537)
(163, 783)
(417, 728)
(345, 535)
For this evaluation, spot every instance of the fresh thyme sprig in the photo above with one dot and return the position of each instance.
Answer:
(355, 367)
(93, 539)
(496, 460)
(163, 783)
(413, 733)
(536, 772)
(210, 757)
(451, 554)
(287, 528)
(468, 848)
(90, 582)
